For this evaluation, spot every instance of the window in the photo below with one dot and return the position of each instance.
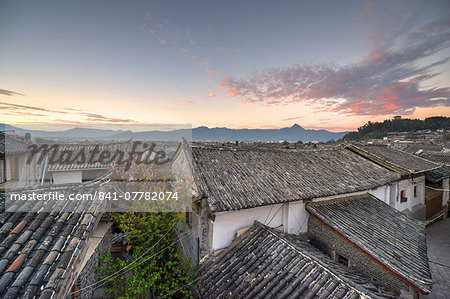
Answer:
(415, 191)
(342, 260)
(403, 197)
(2, 171)
(14, 168)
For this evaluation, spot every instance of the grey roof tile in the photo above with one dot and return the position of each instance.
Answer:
(439, 158)
(76, 148)
(12, 145)
(393, 159)
(40, 274)
(30, 292)
(37, 247)
(36, 259)
(5, 280)
(437, 175)
(234, 179)
(23, 277)
(264, 263)
(389, 236)
(12, 293)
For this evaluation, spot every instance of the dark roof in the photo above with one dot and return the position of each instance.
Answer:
(393, 159)
(38, 249)
(414, 148)
(437, 175)
(76, 148)
(439, 158)
(11, 145)
(392, 238)
(266, 263)
(234, 179)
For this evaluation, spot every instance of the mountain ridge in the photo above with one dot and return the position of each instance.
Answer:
(202, 133)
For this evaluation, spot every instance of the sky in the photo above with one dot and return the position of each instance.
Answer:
(330, 65)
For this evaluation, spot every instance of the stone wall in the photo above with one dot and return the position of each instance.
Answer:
(89, 274)
(189, 244)
(331, 243)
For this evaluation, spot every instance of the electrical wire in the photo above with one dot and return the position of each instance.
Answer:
(106, 278)
(96, 287)
(182, 287)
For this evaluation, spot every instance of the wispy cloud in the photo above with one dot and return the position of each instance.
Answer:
(102, 118)
(10, 92)
(189, 102)
(17, 107)
(85, 117)
(387, 81)
(211, 95)
(292, 118)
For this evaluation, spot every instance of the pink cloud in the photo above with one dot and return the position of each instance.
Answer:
(189, 102)
(211, 95)
(246, 101)
(231, 92)
(388, 80)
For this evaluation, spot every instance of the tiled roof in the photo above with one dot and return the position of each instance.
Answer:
(11, 145)
(38, 249)
(394, 239)
(266, 263)
(439, 158)
(439, 174)
(414, 148)
(393, 159)
(76, 148)
(234, 179)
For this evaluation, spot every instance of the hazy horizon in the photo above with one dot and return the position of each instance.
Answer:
(252, 64)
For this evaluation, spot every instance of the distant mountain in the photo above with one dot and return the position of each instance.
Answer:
(293, 133)
(76, 133)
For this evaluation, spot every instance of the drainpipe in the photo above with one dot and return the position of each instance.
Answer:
(44, 169)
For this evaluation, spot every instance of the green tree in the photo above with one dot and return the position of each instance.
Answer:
(381, 129)
(153, 266)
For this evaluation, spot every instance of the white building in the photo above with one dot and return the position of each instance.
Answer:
(234, 187)
(15, 171)
(410, 194)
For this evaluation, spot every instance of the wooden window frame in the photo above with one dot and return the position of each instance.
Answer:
(403, 197)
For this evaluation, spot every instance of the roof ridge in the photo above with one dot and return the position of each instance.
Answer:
(411, 226)
(263, 149)
(305, 254)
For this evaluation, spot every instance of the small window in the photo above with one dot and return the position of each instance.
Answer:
(415, 191)
(342, 260)
(403, 197)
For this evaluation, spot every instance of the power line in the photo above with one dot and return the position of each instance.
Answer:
(182, 287)
(270, 211)
(437, 189)
(128, 264)
(296, 219)
(134, 265)
(274, 215)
